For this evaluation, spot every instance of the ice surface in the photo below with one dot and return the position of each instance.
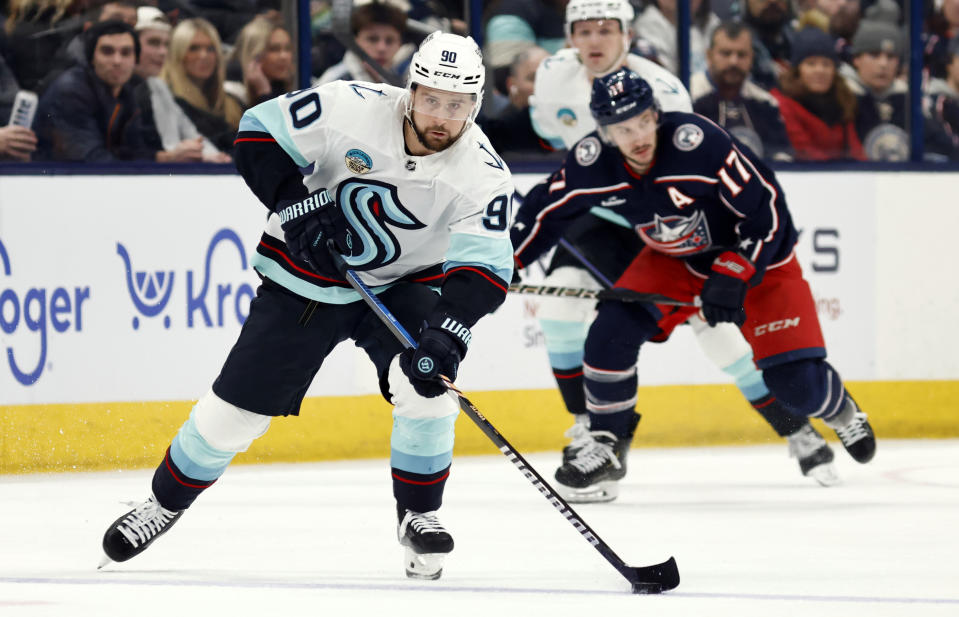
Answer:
(752, 538)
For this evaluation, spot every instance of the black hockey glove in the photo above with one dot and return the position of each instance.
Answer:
(443, 343)
(724, 291)
(308, 223)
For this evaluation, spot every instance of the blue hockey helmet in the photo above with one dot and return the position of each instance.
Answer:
(620, 96)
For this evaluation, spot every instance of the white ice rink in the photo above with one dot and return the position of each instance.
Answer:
(751, 536)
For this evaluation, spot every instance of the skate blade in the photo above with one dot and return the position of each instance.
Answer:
(825, 475)
(601, 492)
(426, 566)
(104, 561)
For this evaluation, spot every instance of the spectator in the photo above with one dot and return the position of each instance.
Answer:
(942, 102)
(89, 113)
(882, 97)
(73, 53)
(843, 19)
(264, 51)
(227, 16)
(726, 95)
(195, 70)
(511, 130)
(772, 39)
(378, 29)
(657, 24)
(35, 30)
(177, 139)
(942, 26)
(513, 26)
(816, 104)
(16, 142)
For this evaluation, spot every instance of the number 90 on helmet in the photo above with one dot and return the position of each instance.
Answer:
(620, 96)
(449, 62)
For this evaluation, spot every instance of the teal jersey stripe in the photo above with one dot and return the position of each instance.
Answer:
(425, 465)
(270, 117)
(748, 379)
(612, 217)
(494, 254)
(194, 456)
(424, 437)
(565, 360)
(328, 295)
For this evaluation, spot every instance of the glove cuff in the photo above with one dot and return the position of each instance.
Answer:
(734, 265)
(288, 210)
(454, 328)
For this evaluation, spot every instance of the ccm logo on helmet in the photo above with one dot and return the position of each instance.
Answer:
(775, 326)
(442, 74)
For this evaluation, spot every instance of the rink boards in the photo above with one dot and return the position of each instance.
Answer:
(117, 308)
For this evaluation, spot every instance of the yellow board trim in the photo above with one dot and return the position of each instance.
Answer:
(98, 436)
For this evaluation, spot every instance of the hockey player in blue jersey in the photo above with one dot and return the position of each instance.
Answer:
(416, 200)
(598, 36)
(716, 227)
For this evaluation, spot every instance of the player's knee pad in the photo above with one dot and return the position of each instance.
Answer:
(810, 387)
(409, 404)
(226, 427)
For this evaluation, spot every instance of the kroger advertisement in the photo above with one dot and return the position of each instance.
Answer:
(134, 288)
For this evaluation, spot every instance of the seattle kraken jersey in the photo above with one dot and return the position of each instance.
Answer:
(559, 106)
(705, 193)
(411, 217)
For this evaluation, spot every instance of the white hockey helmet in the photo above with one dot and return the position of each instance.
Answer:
(579, 10)
(449, 62)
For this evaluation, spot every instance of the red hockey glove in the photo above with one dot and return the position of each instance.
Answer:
(725, 290)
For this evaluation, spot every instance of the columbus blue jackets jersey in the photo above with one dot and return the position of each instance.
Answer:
(705, 193)
(412, 218)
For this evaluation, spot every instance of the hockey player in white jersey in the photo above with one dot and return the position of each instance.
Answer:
(416, 200)
(599, 35)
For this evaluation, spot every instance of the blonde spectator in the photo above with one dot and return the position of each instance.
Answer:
(195, 70)
(264, 51)
(180, 141)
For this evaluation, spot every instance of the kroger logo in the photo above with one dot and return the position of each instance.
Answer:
(151, 290)
(35, 311)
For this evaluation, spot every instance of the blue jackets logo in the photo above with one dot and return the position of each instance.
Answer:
(207, 303)
(35, 311)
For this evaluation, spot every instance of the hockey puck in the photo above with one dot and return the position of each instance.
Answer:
(647, 588)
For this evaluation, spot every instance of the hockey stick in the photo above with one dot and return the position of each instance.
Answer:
(581, 293)
(647, 579)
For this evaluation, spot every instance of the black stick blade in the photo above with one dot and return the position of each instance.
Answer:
(655, 579)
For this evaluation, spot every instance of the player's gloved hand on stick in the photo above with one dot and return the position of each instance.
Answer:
(443, 343)
(308, 223)
(724, 291)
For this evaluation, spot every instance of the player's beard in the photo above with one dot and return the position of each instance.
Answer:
(433, 144)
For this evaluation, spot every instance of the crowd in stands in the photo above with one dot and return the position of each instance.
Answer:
(167, 81)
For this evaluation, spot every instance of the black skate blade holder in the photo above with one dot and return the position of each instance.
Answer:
(643, 580)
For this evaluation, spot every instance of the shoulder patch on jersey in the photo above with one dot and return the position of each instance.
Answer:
(567, 116)
(358, 162)
(587, 151)
(687, 137)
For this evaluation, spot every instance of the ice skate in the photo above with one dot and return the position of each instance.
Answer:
(578, 434)
(427, 542)
(855, 433)
(594, 472)
(133, 532)
(814, 455)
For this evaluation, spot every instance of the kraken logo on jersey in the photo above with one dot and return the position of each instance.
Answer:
(369, 207)
(676, 235)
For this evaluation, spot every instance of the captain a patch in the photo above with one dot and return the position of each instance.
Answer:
(687, 137)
